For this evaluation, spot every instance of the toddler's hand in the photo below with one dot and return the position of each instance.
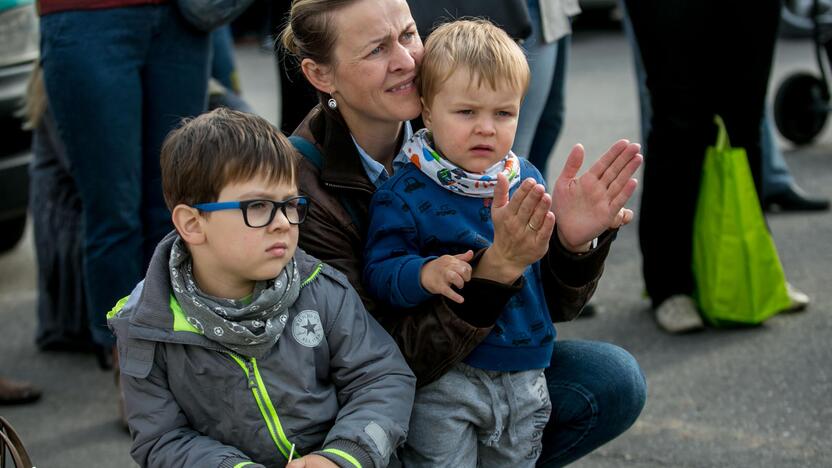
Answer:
(312, 461)
(438, 275)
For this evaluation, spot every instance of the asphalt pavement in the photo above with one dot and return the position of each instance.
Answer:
(720, 398)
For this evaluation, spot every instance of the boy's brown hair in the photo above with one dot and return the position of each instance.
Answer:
(208, 152)
(475, 45)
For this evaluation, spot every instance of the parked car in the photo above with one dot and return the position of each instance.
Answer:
(19, 51)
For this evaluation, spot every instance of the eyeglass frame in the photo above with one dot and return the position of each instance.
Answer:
(244, 204)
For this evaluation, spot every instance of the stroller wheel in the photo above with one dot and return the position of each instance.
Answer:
(800, 108)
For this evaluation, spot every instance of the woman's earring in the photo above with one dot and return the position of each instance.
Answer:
(332, 103)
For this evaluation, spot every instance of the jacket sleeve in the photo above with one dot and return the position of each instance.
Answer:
(160, 430)
(570, 279)
(375, 387)
(392, 264)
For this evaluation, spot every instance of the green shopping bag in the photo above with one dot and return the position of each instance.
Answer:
(739, 278)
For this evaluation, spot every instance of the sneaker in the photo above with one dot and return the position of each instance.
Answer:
(798, 299)
(678, 314)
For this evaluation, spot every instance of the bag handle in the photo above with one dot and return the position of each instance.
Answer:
(8, 437)
(722, 141)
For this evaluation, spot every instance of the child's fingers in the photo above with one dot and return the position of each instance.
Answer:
(455, 278)
(462, 267)
(465, 257)
(452, 295)
(466, 272)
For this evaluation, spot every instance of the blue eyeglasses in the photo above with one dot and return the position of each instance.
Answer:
(260, 213)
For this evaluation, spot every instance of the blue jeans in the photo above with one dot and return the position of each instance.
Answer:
(222, 65)
(597, 392)
(777, 178)
(118, 81)
(541, 115)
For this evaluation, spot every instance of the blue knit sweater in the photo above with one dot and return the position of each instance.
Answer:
(412, 221)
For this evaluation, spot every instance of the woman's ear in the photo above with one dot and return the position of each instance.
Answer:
(319, 76)
(426, 114)
(188, 224)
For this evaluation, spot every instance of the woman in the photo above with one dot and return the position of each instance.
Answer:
(363, 62)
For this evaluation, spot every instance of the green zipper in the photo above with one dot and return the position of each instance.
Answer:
(314, 274)
(258, 387)
(264, 403)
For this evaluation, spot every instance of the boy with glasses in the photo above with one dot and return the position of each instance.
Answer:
(238, 349)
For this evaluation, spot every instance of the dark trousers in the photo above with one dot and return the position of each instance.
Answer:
(702, 57)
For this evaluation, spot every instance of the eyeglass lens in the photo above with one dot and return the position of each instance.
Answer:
(261, 212)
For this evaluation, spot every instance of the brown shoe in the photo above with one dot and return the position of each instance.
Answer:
(15, 392)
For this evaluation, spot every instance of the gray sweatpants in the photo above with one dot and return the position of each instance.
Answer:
(476, 418)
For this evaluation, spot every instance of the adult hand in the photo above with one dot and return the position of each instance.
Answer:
(311, 461)
(439, 274)
(588, 205)
(522, 228)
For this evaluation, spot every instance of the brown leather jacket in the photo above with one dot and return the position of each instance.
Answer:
(439, 333)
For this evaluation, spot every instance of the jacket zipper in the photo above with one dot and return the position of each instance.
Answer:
(261, 395)
(348, 187)
(264, 403)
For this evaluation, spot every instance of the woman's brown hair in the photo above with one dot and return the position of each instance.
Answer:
(310, 32)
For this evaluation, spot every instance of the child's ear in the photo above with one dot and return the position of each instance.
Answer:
(320, 76)
(425, 114)
(188, 223)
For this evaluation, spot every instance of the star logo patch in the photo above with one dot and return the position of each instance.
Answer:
(307, 328)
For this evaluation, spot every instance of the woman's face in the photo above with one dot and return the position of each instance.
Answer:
(376, 57)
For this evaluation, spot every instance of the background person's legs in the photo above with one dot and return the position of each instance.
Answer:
(175, 86)
(541, 58)
(92, 70)
(780, 190)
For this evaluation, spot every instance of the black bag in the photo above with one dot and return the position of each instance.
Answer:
(511, 15)
(207, 15)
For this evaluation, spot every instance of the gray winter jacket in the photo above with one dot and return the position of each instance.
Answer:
(342, 391)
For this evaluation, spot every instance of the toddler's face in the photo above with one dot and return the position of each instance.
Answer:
(473, 126)
(239, 253)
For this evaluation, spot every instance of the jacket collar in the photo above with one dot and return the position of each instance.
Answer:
(342, 166)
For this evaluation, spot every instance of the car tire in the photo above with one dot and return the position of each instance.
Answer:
(11, 231)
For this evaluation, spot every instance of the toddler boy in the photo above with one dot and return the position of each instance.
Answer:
(239, 349)
(490, 409)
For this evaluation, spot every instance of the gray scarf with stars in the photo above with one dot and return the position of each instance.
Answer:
(250, 329)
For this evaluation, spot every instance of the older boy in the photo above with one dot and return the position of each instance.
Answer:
(490, 409)
(238, 349)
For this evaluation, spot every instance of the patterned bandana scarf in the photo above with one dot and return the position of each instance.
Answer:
(452, 177)
(250, 329)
